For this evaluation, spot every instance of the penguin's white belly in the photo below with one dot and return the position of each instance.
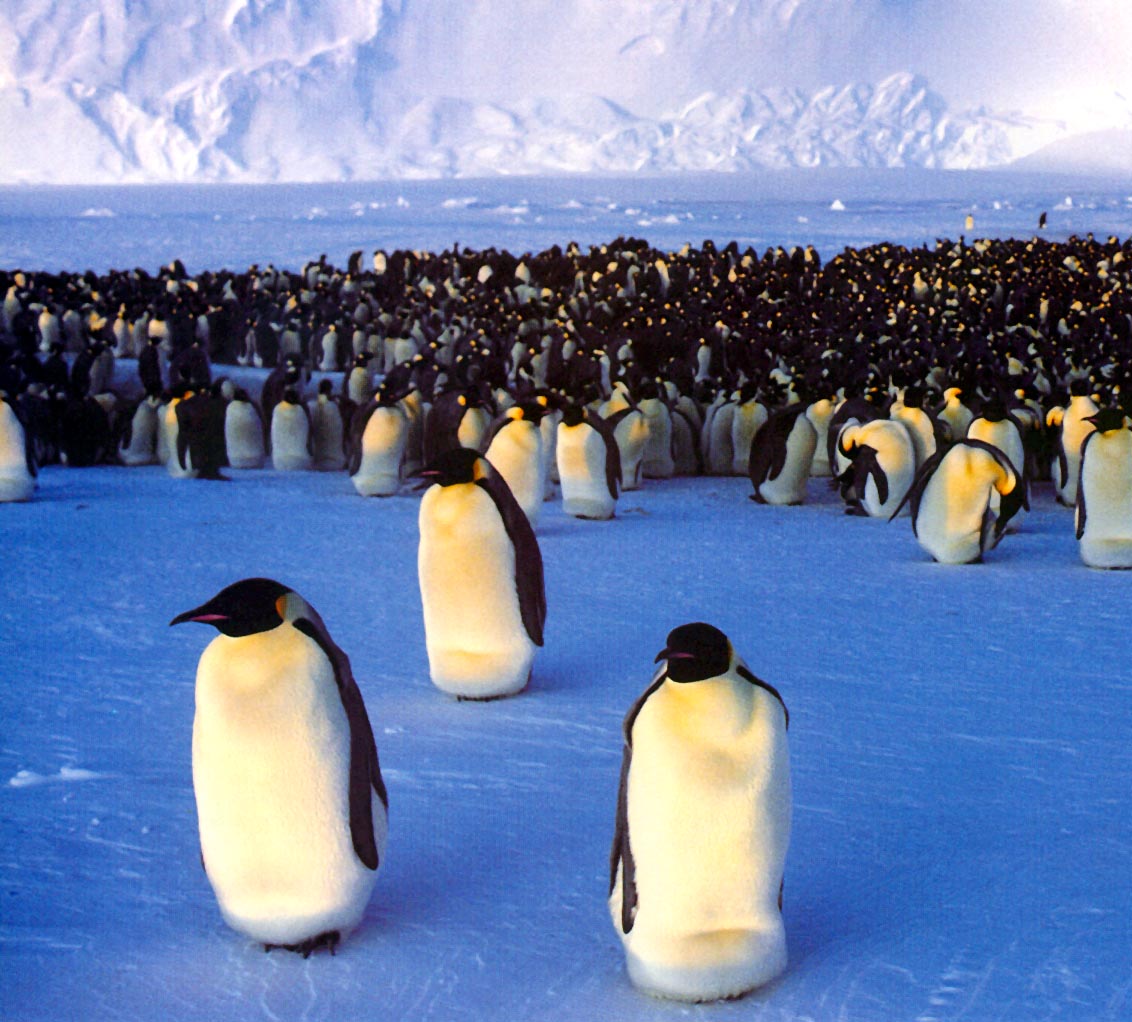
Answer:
(581, 473)
(327, 428)
(516, 454)
(631, 434)
(290, 434)
(709, 825)
(384, 442)
(271, 749)
(243, 436)
(657, 463)
(476, 642)
(142, 448)
(16, 482)
(1106, 479)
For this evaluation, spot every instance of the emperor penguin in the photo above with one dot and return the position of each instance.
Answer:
(1104, 493)
(954, 414)
(379, 436)
(819, 413)
(481, 580)
(291, 805)
(516, 453)
(328, 430)
(589, 465)
(656, 462)
(954, 517)
(749, 417)
(631, 432)
(1076, 424)
(883, 464)
(781, 455)
(702, 825)
(291, 441)
(138, 443)
(244, 433)
(18, 469)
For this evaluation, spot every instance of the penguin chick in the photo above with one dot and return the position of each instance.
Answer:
(291, 805)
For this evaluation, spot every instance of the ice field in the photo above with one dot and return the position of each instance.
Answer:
(959, 735)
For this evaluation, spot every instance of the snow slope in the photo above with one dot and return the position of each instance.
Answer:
(959, 747)
(292, 90)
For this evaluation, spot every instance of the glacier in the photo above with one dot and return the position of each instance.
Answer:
(290, 90)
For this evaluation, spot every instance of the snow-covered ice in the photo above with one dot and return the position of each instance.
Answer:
(958, 735)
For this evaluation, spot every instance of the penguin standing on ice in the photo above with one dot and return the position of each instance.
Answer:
(1104, 492)
(200, 434)
(781, 455)
(481, 580)
(244, 432)
(291, 805)
(328, 430)
(883, 465)
(515, 452)
(589, 465)
(379, 437)
(703, 825)
(18, 468)
(291, 442)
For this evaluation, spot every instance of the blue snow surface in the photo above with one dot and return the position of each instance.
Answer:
(959, 735)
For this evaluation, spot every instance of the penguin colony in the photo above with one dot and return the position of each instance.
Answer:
(939, 381)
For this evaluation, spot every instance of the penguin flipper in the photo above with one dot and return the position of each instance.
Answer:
(746, 674)
(1082, 513)
(612, 453)
(621, 854)
(529, 583)
(365, 768)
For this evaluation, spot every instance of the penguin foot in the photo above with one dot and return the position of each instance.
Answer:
(306, 948)
(857, 511)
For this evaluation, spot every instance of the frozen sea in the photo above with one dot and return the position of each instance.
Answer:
(219, 226)
(960, 736)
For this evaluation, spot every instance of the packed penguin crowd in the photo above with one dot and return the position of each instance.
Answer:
(899, 371)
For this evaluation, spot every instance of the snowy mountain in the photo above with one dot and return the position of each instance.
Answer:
(294, 90)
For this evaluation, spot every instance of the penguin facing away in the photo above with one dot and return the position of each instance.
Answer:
(1104, 493)
(955, 517)
(291, 805)
(702, 825)
(481, 580)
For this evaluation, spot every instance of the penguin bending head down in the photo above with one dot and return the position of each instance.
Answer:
(291, 805)
(703, 825)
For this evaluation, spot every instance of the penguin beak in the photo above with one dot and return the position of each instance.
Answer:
(201, 614)
(671, 654)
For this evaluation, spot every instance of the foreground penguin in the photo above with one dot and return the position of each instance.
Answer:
(291, 804)
(1104, 492)
(703, 825)
(481, 580)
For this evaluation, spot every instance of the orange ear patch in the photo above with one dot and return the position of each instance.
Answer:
(479, 470)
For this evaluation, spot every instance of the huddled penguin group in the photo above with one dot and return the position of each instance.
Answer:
(939, 383)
